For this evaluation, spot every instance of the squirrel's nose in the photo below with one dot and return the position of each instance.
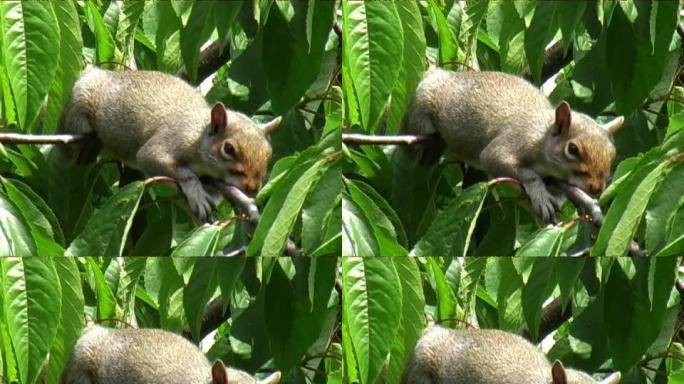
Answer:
(252, 187)
(595, 188)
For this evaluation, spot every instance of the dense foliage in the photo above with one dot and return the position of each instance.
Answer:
(267, 313)
(607, 314)
(279, 58)
(605, 58)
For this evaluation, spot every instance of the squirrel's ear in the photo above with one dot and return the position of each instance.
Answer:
(614, 378)
(271, 126)
(219, 375)
(558, 373)
(273, 379)
(612, 126)
(219, 118)
(563, 114)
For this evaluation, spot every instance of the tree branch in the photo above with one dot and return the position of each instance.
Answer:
(555, 58)
(361, 139)
(210, 60)
(551, 317)
(213, 316)
(20, 138)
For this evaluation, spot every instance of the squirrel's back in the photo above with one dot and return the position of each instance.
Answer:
(470, 109)
(139, 103)
(135, 356)
(446, 356)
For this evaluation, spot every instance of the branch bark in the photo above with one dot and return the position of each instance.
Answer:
(210, 60)
(20, 138)
(555, 58)
(361, 139)
(552, 316)
(214, 315)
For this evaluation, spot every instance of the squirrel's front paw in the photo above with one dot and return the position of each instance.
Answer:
(543, 203)
(201, 203)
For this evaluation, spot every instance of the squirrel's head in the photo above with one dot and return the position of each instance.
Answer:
(561, 375)
(236, 149)
(222, 375)
(581, 149)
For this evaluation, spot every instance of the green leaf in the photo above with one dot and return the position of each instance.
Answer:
(412, 318)
(32, 297)
(640, 58)
(131, 13)
(283, 207)
(106, 306)
(324, 198)
(290, 61)
(225, 13)
(202, 241)
(541, 30)
(357, 232)
(295, 307)
(535, 292)
(449, 234)
(382, 227)
(107, 229)
(71, 45)
(636, 297)
(40, 227)
(371, 299)
(199, 290)
(446, 299)
(104, 47)
(71, 319)
(448, 45)
(162, 20)
(626, 211)
(474, 13)
(30, 45)
(372, 31)
(545, 242)
(569, 14)
(229, 271)
(661, 207)
(15, 234)
(412, 65)
(195, 33)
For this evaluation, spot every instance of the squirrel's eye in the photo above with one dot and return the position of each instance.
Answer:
(572, 150)
(228, 150)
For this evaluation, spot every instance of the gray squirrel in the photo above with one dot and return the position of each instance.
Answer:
(162, 126)
(146, 356)
(448, 356)
(505, 126)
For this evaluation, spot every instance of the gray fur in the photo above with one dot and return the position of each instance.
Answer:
(143, 356)
(446, 356)
(159, 124)
(505, 126)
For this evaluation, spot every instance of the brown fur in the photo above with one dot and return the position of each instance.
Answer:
(162, 126)
(145, 356)
(506, 127)
(446, 356)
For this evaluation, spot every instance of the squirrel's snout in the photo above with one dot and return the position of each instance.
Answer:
(251, 187)
(595, 188)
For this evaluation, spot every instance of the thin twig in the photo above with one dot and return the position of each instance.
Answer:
(361, 139)
(21, 138)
